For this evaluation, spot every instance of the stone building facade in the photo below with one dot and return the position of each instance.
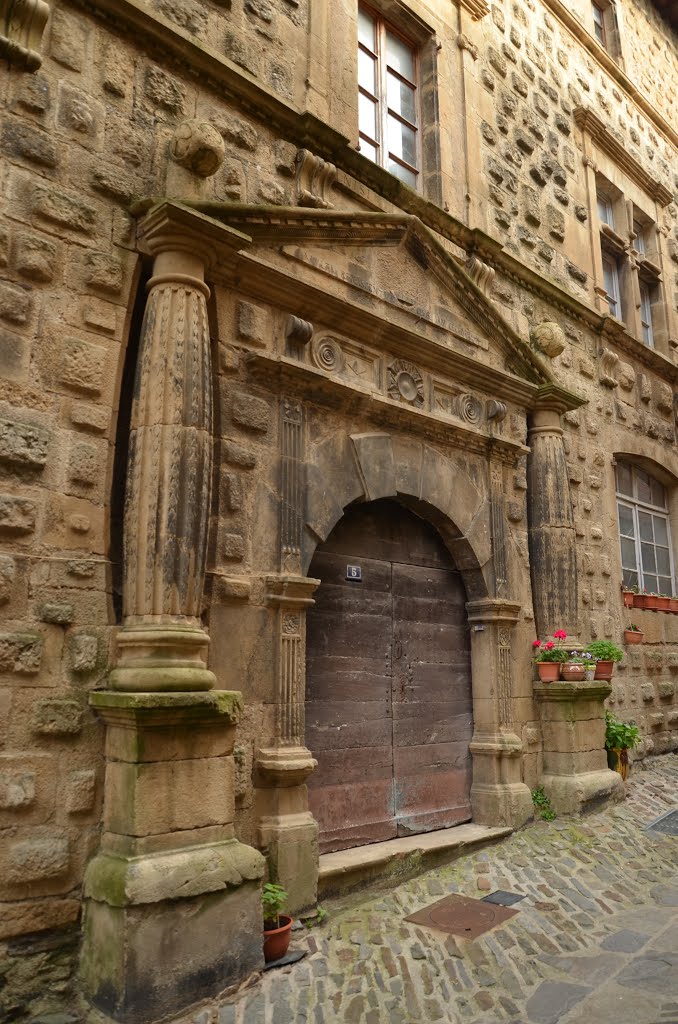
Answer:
(285, 409)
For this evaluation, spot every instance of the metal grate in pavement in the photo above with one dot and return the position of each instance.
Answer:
(503, 898)
(459, 915)
(667, 824)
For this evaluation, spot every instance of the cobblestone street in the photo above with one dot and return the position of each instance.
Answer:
(595, 939)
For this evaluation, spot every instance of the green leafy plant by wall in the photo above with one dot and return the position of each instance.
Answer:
(543, 804)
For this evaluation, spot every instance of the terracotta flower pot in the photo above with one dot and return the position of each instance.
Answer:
(276, 940)
(632, 636)
(618, 761)
(673, 607)
(549, 671)
(651, 602)
(663, 604)
(640, 600)
(604, 669)
(628, 598)
(572, 672)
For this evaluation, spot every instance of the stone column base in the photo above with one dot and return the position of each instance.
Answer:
(162, 931)
(575, 777)
(572, 794)
(498, 795)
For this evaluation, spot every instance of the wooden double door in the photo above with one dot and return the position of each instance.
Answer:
(388, 681)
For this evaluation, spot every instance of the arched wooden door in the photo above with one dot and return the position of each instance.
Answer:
(388, 681)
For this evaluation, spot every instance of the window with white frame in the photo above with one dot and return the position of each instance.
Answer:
(646, 314)
(388, 117)
(611, 283)
(598, 24)
(639, 240)
(605, 210)
(644, 533)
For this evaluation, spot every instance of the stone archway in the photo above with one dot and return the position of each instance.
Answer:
(388, 680)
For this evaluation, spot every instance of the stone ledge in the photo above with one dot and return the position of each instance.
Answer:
(194, 703)
(179, 874)
(350, 869)
(568, 690)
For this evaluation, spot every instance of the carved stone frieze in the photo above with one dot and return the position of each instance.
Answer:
(405, 383)
(314, 180)
(327, 354)
(298, 331)
(470, 409)
(22, 23)
(291, 471)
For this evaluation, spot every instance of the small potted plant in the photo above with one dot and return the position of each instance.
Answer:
(606, 654)
(549, 657)
(574, 668)
(663, 603)
(633, 634)
(589, 666)
(628, 595)
(620, 737)
(277, 926)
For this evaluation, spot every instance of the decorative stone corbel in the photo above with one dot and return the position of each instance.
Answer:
(298, 331)
(22, 24)
(609, 368)
(464, 43)
(479, 272)
(314, 180)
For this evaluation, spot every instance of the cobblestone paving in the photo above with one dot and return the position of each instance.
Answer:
(595, 940)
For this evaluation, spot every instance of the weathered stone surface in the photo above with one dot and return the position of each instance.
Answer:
(17, 515)
(20, 652)
(250, 412)
(57, 716)
(32, 860)
(23, 444)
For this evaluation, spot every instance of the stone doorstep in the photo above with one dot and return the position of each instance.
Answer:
(345, 870)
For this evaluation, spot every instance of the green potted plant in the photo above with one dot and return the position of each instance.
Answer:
(589, 666)
(633, 634)
(277, 926)
(663, 603)
(550, 656)
(606, 654)
(620, 737)
(628, 595)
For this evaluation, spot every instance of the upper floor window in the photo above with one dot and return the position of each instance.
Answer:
(605, 210)
(646, 314)
(644, 534)
(611, 282)
(388, 118)
(599, 24)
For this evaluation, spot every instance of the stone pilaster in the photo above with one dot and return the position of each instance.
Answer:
(575, 775)
(551, 533)
(287, 830)
(498, 794)
(172, 912)
(162, 645)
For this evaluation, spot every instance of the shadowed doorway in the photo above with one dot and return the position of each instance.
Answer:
(388, 681)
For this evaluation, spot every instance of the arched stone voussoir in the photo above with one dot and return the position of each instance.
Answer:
(332, 482)
(374, 454)
(446, 486)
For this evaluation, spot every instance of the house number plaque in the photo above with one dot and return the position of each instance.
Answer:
(354, 573)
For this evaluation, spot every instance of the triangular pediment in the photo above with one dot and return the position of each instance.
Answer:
(379, 278)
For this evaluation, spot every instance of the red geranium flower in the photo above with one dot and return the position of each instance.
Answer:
(560, 634)
(549, 646)
(536, 643)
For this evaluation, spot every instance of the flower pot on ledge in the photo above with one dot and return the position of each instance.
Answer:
(572, 671)
(633, 636)
(628, 596)
(604, 669)
(663, 604)
(549, 671)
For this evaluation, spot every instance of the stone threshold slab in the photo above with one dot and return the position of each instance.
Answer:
(346, 870)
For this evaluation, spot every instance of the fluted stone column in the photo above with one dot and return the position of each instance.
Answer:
(172, 898)
(551, 533)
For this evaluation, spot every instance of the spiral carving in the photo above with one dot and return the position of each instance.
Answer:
(470, 409)
(327, 355)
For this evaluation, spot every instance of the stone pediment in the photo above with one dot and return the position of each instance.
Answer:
(384, 280)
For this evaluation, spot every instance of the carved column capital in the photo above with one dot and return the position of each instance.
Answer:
(493, 610)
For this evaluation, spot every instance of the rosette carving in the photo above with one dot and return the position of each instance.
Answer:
(327, 354)
(470, 409)
(405, 383)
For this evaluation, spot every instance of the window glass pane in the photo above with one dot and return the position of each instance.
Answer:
(367, 116)
(663, 561)
(400, 98)
(630, 578)
(628, 553)
(647, 553)
(406, 175)
(666, 586)
(402, 141)
(643, 487)
(605, 211)
(651, 584)
(639, 240)
(626, 521)
(366, 71)
(399, 56)
(661, 533)
(645, 526)
(368, 150)
(365, 28)
(658, 493)
(624, 479)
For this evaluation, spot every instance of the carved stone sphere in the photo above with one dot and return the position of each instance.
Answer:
(198, 147)
(548, 338)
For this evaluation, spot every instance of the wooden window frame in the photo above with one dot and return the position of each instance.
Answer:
(635, 505)
(602, 38)
(646, 321)
(382, 25)
(615, 296)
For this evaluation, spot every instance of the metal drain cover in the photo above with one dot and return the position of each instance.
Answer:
(460, 915)
(668, 824)
(502, 898)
